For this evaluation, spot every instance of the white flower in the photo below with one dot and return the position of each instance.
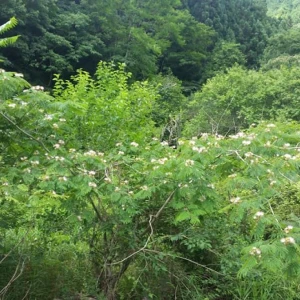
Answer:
(168, 174)
(232, 175)
(35, 162)
(287, 156)
(20, 75)
(12, 105)
(24, 103)
(134, 144)
(162, 160)
(37, 88)
(180, 143)
(144, 188)
(258, 215)
(121, 153)
(59, 158)
(117, 189)
(61, 142)
(271, 125)
(72, 150)
(235, 200)
(48, 117)
(164, 143)
(272, 182)
(5, 183)
(100, 154)
(238, 135)
(56, 146)
(249, 154)
(55, 126)
(204, 135)
(63, 178)
(189, 162)
(245, 143)
(92, 173)
(107, 179)
(192, 142)
(255, 252)
(24, 158)
(118, 144)
(92, 184)
(219, 136)
(288, 228)
(154, 139)
(130, 192)
(62, 120)
(90, 153)
(286, 145)
(268, 144)
(288, 240)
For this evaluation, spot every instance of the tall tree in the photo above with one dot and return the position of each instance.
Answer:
(244, 22)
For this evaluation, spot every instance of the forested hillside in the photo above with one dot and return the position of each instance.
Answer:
(149, 149)
(287, 9)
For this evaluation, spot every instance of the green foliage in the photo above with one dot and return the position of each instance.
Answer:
(225, 55)
(4, 42)
(94, 205)
(108, 110)
(62, 36)
(171, 100)
(121, 219)
(283, 50)
(239, 98)
(244, 22)
(284, 9)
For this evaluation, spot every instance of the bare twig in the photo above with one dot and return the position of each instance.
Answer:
(272, 211)
(11, 250)
(238, 155)
(26, 293)
(95, 209)
(151, 221)
(183, 258)
(18, 272)
(290, 180)
(164, 205)
(23, 131)
(141, 249)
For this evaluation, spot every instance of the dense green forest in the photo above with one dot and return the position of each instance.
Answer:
(150, 149)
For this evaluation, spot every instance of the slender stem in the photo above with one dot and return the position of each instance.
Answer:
(23, 131)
